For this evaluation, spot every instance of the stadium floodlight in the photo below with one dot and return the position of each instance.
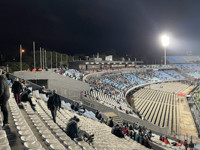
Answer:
(21, 52)
(165, 43)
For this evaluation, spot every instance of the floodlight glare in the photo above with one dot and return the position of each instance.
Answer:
(165, 40)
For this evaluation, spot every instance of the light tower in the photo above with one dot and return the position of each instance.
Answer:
(165, 43)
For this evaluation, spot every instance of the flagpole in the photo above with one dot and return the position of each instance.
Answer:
(34, 54)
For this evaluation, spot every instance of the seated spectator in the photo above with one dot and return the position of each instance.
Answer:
(148, 133)
(99, 116)
(72, 128)
(76, 106)
(25, 97)
(43, 90)
(110, 122)
(146, 142)
(73, 118)
(137, 137)
(72, 105)
(125, 130)
(160, 137)
(117, 131)
(96, 113)
(131, 134)
(130, 127)
(137, 126)
(141, 139)
(166, 140)
(179, 144)
(163, 138)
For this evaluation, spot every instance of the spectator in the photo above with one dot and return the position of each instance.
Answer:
(125, 130)
(117, 131)
(179, 144)
(110, 122)
(76, 106)
(166, 140)
(81, 109)
(53, 104)
(72, 128)
(130, 127)
(96, 113)
(191, 145)
(186, 144)
(99, 116)
(141, 139)
(137, 137)
(137, 126)
(72, 105)
(25, 97)
(146, 142)
(4, 96)
(17, 89)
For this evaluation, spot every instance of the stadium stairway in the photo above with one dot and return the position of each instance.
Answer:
(114, 116)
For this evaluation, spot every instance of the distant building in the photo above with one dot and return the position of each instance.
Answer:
(109, 58)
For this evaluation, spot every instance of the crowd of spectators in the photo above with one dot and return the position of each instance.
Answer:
(72, 73)
(134, 131)
(115, 85)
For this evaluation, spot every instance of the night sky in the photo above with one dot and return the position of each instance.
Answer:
(131, 27)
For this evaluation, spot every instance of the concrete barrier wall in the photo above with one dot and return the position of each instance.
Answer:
(65, 86)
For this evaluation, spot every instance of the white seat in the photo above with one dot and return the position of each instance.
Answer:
(26, 132)
(47, 136)
(57, 147)
(51, 141)
(32, 145)
(28, 138)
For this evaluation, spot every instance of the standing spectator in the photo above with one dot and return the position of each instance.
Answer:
(17, 89)
(53, 104)
(186, 144)
(4, 96)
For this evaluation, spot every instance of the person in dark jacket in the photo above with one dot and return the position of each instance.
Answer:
(26, 98)
(53, 104)
(117, 131)
(72, 128)
(110, 122)
(99, 116)
(17, 89)
(4, 96)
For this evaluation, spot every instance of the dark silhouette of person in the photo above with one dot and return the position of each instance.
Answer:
(4, 96)
(26, 98)
(54, 103)
(17, 89)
